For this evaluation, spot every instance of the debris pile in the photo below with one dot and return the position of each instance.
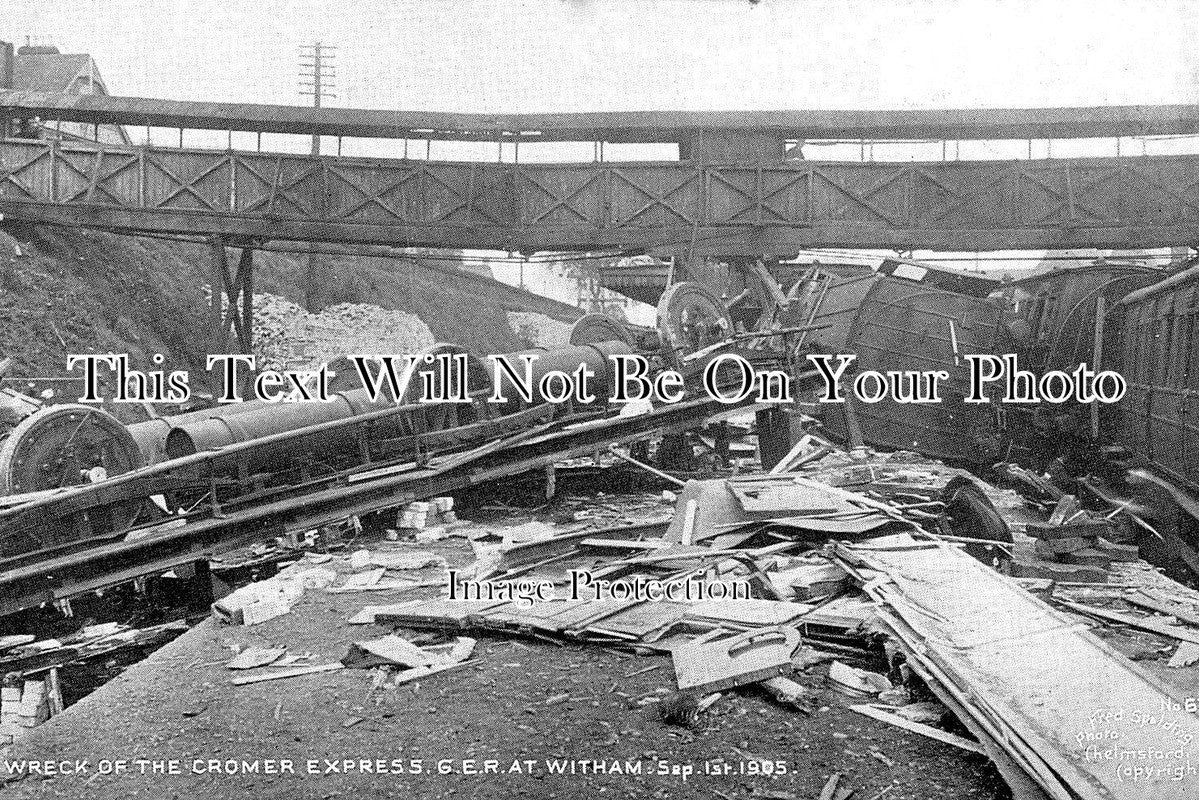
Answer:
(902, 612)
(1072, 546)
(32, 692)
(288, 337)
(26, 655)
(892, 585)
(25, 704)
(398, 661)
(426, 521)
(538, 330)
(264, 600)
(356, 328)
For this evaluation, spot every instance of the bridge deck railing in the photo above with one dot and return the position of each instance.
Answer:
(1125, 201)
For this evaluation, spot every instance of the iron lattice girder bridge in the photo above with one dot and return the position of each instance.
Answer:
(733, 191)
(724, 209)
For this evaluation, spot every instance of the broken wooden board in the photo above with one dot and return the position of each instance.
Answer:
(400, 584)
(548, 618)
(856, 682)
(582, 614)
(890, 718)
(1150, 624)
(711, 663)
(405, 560)
(1012, 765)
(808, 578)
(623, 544)
(752, 613)
(367, 577)
(1034, 677)
(367, 615)
(717, 507)
(416, 673)
(829, 792)
(847, 613)
(1153, 602)
(440, 613)
(737, 538)
(293, 672)
(719, 511)
(458, 650)
(389, 650)
(847, 524)
(253, 657)
(553, 617)
(1186, 654)
(644, 621)
(774, 493)
(16, 640)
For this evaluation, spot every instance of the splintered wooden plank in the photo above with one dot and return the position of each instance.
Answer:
(784, 495)
(368, 614)
(918, 727)
(294, 672)
(585, 613)
(541, 617)
(716, 507)
(624, 544)
(394, 649)
(848, 613)
(1053, 689)
(714, 664)
(642, 619)
(850, 523)
(253, 657)
(1013, 764)
(1151, 624)
(452, 613)
(1186, 654)
(756, 613)
(1162, 606)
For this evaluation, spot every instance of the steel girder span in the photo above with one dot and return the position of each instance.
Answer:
(710, 208)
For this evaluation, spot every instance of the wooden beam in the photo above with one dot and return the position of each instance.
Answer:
(217, 276)
(918, 727)
(625, 126)
(245, 283)
(1149, 624)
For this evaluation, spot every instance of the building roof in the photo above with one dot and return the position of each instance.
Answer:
(52, 72)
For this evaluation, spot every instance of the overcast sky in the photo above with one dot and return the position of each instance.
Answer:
(575, 55)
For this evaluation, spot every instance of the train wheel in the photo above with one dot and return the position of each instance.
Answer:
(69, 445)
(690, 317)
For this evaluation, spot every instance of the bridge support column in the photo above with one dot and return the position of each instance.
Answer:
(232, 303)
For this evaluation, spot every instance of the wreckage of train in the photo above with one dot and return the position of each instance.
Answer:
(231, 460)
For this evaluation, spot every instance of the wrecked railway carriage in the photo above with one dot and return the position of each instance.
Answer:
(1154, 342)
(1124, 316)
(905, 316)
(251, 449)
(934, 584)
(909, 317)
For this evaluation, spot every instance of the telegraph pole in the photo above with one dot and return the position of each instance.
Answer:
(317, 74)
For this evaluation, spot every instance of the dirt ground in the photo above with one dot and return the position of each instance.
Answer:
(526, 706)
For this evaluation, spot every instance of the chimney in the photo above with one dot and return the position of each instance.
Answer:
(39, 47)
(6, 65)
